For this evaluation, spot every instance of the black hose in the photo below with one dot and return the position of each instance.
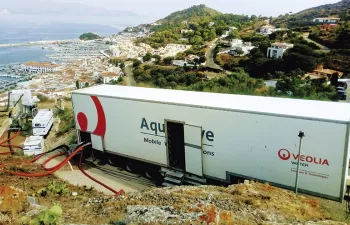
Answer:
(64, 147)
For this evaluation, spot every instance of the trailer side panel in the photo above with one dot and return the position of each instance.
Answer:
(258, 146)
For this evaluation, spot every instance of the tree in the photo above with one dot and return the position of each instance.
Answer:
(202, 59)
(86, 84)
(334, 79)
(77, 84)
(157, 58)
(196, 40)
(167, 60)
(304, 62)
(238, 51)
(232, 35)
(122, 65)
(147, 57)
(136, 63)
(254, 18)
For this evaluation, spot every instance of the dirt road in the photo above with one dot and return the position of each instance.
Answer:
(209, 55)
(323, 48)
(129, 74)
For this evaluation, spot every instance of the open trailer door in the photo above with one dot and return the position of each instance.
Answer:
(193, 149)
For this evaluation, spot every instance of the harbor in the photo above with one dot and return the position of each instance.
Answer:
(79, 50)
(11, 75)
(36, 43)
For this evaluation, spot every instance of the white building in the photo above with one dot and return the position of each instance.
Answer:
(191, 58)
(277, 49)
(268, 29)
(86, 82)
(181, 63)
(108, 77)
(40, 67)
(326, 20)
(114, 50)
(185, 31)
(114, 69)
(238, 44)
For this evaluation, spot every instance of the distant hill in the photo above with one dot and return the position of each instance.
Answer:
(89, 36)
(340, 9)
(193, 13)
(203, 24)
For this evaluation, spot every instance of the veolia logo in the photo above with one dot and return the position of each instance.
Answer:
(284, 154)
(100, 129)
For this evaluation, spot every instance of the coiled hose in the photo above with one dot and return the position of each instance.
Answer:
(50, 170)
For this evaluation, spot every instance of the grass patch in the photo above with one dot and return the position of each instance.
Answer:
(67, 121)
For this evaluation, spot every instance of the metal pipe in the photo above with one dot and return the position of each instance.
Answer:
(301, 135)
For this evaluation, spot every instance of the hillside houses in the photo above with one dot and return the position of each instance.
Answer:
(326, 20)
(277, 49)
(322, 73)
(108, 77)
(238, 48)
(268, 29)
(86, 82)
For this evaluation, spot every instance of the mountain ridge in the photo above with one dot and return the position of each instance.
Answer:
(339, 9)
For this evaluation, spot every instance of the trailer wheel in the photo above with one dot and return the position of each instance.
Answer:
(149, 174)
(114, 160)
(130, 167)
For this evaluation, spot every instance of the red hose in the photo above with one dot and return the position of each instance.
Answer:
(3, 135)
(49, 159)
(50, 170)
(59, 166)
(9, 139)
(9, 145)
(117, 193)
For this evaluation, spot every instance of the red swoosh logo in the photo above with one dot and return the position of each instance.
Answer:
(100, 129)
(101, 119)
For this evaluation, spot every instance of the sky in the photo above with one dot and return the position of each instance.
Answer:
(161, 8)
(149, 10)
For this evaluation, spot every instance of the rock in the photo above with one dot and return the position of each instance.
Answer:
(12, 200)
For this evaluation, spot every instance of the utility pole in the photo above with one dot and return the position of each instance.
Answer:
(301, 135)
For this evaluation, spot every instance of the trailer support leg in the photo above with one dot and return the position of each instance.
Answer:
(301, 135)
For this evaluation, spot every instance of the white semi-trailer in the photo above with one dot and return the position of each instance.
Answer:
(42, 122)
(196, 136)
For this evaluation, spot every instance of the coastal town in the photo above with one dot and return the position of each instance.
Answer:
(82, 63)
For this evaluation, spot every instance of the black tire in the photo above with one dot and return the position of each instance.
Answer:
(114, 160)
(152, 173)
(130, 167)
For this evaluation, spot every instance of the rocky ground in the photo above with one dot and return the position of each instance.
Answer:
(249, 203)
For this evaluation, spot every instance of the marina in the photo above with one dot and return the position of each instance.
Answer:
(79, 50)
(11, 75)
(33, 43)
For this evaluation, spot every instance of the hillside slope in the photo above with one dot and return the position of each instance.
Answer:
(195, 26)
(194, 13)
(340, 9)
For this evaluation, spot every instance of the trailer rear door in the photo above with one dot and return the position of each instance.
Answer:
(193, 149)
